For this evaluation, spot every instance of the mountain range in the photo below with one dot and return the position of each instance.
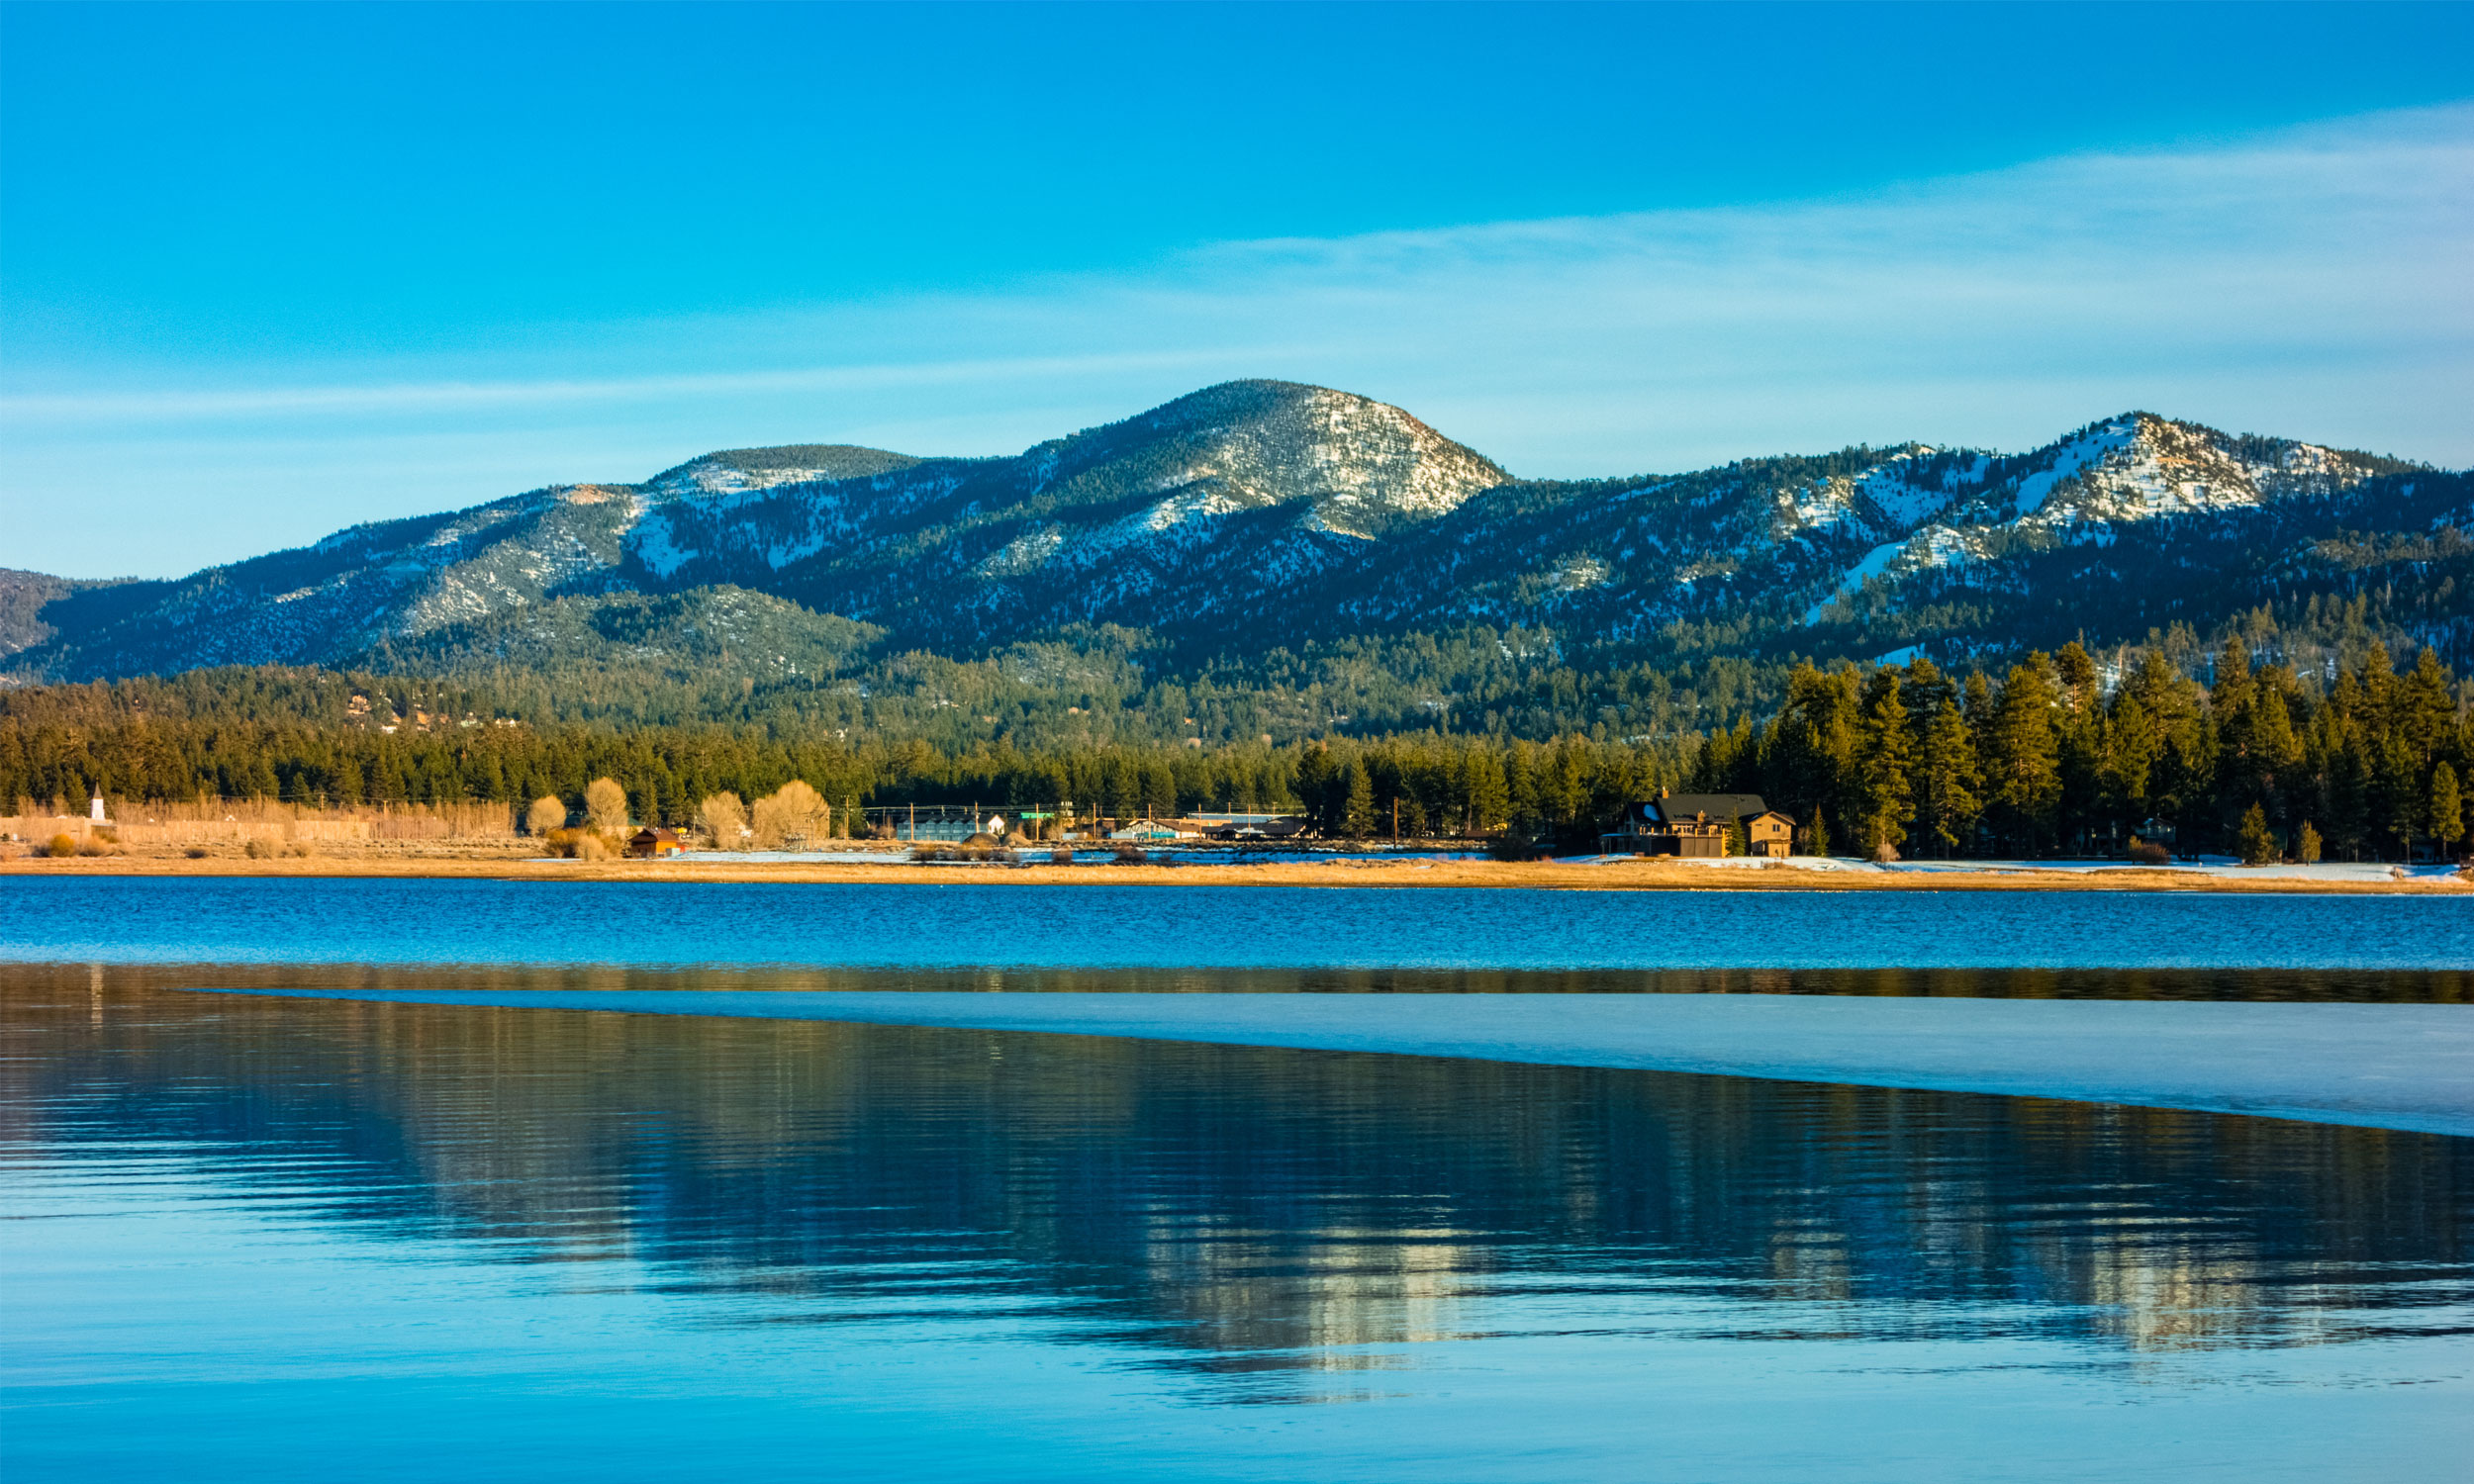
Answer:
(1262, 514)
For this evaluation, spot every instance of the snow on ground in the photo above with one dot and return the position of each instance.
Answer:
(2395, 1067)
(2073, 457)
(1875, 562)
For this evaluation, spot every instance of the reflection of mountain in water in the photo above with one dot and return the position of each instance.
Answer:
(1250, 1209)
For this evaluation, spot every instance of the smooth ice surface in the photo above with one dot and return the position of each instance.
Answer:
(2398, 1067)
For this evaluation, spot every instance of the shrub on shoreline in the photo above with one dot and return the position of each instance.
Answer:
(579, 845)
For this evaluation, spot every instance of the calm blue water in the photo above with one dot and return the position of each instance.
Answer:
(137, 920)
(278, 1240)
(252, 1239)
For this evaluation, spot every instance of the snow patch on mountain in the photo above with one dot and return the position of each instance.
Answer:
(1248, 513)
(653, 542)
(1026, 553)
(1875, 562)
(2089, 449)
(734, 471)
(1897, 504)
(1935, 546)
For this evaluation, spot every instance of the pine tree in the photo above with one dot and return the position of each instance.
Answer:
(2079, 678)
(1883, 761)
(1817, 730)
(1356, 821)
(2447, 809)
(2423, 711)
(1947, 780)
(1520, 788)
(2132, 747)
(2307, 844)
(2406, 807)
(1314, 776)
(1489, 798)
(2230, 689)
(2023, 763)
(1818, 834)
(2257, 846)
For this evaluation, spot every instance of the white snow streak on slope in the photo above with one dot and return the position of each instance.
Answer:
(654, 542)
(1875, 562)
(1904, 503)
(1026, 553)
(2074, 456)
(2398, 1067)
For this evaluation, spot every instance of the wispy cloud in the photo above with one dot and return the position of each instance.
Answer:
(2312, 282)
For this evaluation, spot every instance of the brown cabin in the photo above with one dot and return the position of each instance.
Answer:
(1771, 834)
(1696, 825)
(646, 844)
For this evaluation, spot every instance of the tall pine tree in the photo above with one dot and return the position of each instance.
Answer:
(2022, 766)
(1882, 762)
(1948, 779)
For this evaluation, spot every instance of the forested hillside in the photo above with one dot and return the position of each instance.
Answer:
(2056, 755)
(1271, 595)
(1251, 526)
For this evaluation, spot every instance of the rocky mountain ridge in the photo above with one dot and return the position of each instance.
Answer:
(1263, 514)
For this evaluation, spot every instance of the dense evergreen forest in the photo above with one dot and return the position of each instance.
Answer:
(1482, 734)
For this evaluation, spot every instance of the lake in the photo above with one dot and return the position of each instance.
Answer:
(967, 926)
(280, 1240)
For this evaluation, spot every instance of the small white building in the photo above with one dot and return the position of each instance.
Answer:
(1150, 830)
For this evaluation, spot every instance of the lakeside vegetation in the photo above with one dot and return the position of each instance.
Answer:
(2055, 755)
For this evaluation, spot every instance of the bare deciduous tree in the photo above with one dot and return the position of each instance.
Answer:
(606, 804)
(794, 811)
(548, 813)
(723, 817)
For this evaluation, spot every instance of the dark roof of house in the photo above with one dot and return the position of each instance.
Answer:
(1675, 806)
(658, 832)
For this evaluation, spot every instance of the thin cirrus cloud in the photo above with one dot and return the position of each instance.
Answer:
(2310, 283)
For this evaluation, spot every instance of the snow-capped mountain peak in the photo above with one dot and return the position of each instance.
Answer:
(1260, 513)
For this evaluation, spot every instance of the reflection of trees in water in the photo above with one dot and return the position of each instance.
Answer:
(1248, 1208)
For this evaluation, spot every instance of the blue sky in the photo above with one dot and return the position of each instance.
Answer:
(267, 271)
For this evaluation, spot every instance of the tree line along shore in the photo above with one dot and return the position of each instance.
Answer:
(2055, 756)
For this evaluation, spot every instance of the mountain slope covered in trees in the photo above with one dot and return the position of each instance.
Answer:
(1277, 596)
(1255, 518)
(2046, 757)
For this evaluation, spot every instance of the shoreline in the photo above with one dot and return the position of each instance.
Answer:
(1602, 875)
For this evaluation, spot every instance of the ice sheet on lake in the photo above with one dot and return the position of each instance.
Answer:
(2397, 1067)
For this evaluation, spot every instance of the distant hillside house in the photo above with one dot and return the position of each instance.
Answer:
(657, 841)
(1696, 825)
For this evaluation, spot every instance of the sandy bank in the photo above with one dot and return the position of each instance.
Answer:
(2396, 1067)
(1617, 874)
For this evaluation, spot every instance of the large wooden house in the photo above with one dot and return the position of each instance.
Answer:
(1698, 825)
